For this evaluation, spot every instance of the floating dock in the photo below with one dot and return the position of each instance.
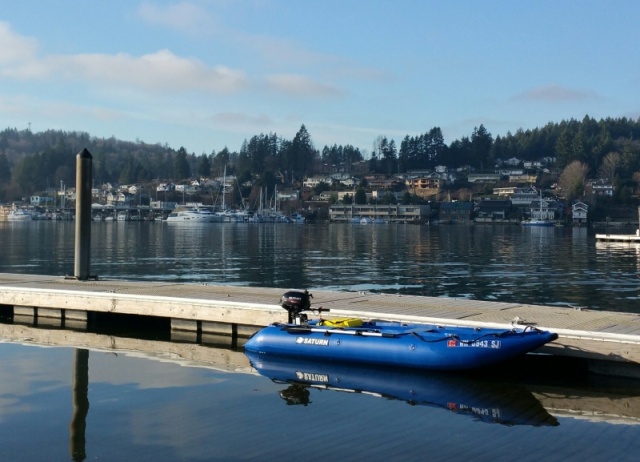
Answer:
(630, 238)
(610, 341)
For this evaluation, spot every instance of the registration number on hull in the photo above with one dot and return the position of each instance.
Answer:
(493, 344)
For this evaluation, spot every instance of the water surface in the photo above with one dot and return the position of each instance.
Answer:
(64, 398)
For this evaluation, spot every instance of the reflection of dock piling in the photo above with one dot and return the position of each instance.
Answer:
(80, 384)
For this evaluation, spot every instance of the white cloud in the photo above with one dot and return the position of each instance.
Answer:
(241, 119)
(555, 93)
(185, 17)
(298, 85)
(13, 47)
(159, 71)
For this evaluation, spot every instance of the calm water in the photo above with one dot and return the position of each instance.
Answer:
(158, 406)
(548, 266)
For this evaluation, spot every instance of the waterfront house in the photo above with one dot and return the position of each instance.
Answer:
(579, 212)
(541, 209)
(524, 196)
(120, 199)
(385, 213)
(493, 210)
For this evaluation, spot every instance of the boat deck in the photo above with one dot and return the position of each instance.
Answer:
(596, 335)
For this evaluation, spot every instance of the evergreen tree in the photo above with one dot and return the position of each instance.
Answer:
(563, 149)
(301, 155)
(481, 142)
(182, 170)
(221, 160)
(204, 166)
(578, 148)
(5, 171)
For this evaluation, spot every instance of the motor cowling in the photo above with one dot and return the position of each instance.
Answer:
(295, 302)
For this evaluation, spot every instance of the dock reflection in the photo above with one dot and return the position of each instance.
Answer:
(485, 401)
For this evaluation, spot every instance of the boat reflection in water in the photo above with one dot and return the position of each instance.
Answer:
(506, 404)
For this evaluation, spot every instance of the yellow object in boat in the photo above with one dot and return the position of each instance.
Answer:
(341, 322)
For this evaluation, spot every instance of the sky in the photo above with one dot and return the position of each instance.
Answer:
(209, 74)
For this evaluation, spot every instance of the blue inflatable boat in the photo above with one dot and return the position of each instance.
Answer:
(386, 343)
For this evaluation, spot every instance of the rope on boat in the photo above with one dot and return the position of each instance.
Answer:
(378, 333)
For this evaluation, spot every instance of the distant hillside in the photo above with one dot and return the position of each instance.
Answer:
(607, 148)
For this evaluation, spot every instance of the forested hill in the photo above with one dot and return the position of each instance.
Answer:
(31, 162)
(37, 161)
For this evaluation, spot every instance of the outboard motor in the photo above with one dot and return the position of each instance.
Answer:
(295, 302)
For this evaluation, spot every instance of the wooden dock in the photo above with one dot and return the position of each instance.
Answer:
(609, 340)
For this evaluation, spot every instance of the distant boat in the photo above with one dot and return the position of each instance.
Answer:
(194, 216)
(297, 218)
(17, 214)
(371, 221)
(538, 222)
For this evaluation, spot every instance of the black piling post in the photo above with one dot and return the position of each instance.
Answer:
(84, 162)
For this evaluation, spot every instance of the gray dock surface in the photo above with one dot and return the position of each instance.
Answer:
(611, 337)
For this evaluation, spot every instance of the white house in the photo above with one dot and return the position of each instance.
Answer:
(165, 187)
(350, 182)
(579, 212)
(601, 188)
(540, 210)
(312, 182)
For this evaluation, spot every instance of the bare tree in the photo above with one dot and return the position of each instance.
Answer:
(572, 179)
(609, 166)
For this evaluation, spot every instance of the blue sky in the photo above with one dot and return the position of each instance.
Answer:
(211, 73)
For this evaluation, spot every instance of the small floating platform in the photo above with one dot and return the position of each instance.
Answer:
(631, 238)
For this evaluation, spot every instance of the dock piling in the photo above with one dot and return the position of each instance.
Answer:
(84, 161)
